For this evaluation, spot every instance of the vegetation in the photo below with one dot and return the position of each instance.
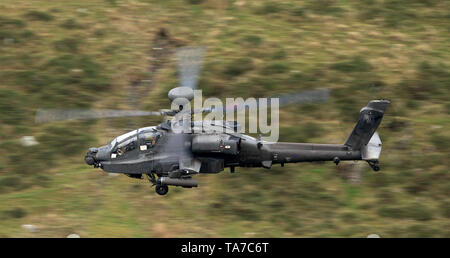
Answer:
(86, 54)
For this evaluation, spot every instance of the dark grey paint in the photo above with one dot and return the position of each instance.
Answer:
(210, 149)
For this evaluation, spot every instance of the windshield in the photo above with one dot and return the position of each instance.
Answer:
(127, 145)
(145, 137)
(148, 137)
(112, 143)
(125, 136)
(122, 137)
(124, 143)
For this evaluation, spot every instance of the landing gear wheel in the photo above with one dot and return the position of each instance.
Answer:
(161, 189)
(374, 165)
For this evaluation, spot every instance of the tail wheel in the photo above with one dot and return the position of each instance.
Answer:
(161, 189)
(374, 164)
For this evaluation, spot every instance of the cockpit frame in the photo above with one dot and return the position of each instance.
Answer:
(145, 138)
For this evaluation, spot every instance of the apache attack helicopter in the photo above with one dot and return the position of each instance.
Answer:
(169, 158)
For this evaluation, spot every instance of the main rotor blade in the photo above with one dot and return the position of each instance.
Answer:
(300, 97)
(303, 97)
(189, 65)
(50, 115)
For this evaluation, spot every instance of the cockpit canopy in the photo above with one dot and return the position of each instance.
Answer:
(145, 138)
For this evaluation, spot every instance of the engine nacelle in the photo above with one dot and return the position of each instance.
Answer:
(215, 143)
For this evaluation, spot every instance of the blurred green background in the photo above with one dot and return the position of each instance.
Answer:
(89, 54)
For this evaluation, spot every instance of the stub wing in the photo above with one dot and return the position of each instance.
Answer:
(190, 164)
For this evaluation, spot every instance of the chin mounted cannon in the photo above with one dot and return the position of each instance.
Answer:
(90, 156)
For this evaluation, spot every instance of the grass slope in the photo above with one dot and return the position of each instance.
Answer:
(87, 53)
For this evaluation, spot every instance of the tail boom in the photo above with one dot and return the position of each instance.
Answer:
(285, 152)
(362, 144)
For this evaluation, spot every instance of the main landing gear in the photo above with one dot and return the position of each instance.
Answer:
(181, 178)
(159, 188)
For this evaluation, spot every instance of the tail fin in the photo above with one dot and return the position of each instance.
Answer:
(369, 120)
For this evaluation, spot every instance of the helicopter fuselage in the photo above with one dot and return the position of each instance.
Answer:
(217, 151)
(212, 146)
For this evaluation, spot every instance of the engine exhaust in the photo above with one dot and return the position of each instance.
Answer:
(178, 182)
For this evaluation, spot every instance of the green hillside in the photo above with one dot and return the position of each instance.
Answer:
(89, 54)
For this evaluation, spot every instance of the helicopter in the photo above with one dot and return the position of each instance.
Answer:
(168, 157)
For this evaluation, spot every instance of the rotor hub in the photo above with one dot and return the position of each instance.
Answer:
(181, 95)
